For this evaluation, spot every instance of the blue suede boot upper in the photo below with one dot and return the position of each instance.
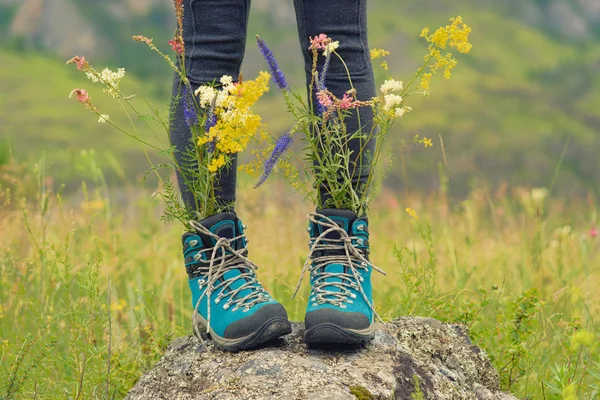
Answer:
(215, 258)
(340, 271)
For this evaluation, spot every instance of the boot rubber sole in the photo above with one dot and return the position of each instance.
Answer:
(270, 330)
(328, 333)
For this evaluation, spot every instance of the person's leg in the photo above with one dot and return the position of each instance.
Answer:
(340, 308)
(214, 34)
(344, 21)
(229, 303)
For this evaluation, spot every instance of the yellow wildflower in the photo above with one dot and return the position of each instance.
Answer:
(426, 142)
(118, 306)
(216, 163)
(385, 66)
(455, 35)
(92, 205)
(425, 78)
(412, 214)
(236, 124)
(379, 53)
(248, 92)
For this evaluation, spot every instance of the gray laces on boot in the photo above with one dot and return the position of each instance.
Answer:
(352, 259)
(229, 259)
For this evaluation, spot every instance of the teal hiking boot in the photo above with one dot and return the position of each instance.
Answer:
(340, 309)
(230, 305)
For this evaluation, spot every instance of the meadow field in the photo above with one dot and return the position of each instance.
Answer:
(503, 238)
(93, 287)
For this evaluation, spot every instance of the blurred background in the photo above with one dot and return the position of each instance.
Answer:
(525, 96)
(507, 236)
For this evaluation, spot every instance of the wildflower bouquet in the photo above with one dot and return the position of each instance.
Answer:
(330, 165)
(219, 116)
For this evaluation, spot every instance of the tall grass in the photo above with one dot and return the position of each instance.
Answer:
(93, 287)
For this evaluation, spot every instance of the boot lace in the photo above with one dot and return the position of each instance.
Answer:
(319, 257)
(220, 263)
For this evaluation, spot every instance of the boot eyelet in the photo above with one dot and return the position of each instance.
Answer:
(234, 309)
(343, 306)
(245, 226)
(197, 257)
(246, 310)
(217, 300)
(349, 301)
(353, 295)
(201, 283)
(193, 243)
(364, 264)
(360, 242)
(360, 228)
(361, 279)
(314, 304)
(225, 306)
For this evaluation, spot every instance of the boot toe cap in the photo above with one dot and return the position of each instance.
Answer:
(342, 319)
(269, 313)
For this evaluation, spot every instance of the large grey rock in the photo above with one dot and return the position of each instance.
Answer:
(408, 356)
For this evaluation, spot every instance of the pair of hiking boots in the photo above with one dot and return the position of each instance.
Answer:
(233, 309)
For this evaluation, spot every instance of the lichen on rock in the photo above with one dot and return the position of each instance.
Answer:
(410, 358)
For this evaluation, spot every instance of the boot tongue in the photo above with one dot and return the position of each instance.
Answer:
(224, 225)
(344, 218)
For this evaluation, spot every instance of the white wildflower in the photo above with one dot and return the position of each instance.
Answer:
(92, 77)
(331, 47)
(391, 101)
(209, 94)
(400, 111)
(110, 78)
(222, 98)
(206, 95)
(103, 118)
(391, 86)
(228, 85)
(226, 80)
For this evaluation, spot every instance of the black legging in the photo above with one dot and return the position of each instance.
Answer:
(214, 33)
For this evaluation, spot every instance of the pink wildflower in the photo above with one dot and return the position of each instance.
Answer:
(79, 61)
(324, 99)
(593, 232)
(319, 42)
(177, 45)
(81, 95)
(346, 102)
(140, 38)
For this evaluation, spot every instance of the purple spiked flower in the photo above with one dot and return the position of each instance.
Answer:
(323, 75)
(211, 120)
(189, 113)
(276, 73)
(211, 117)
(281, 146)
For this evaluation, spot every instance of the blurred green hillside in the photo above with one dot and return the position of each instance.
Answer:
(529, 86)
